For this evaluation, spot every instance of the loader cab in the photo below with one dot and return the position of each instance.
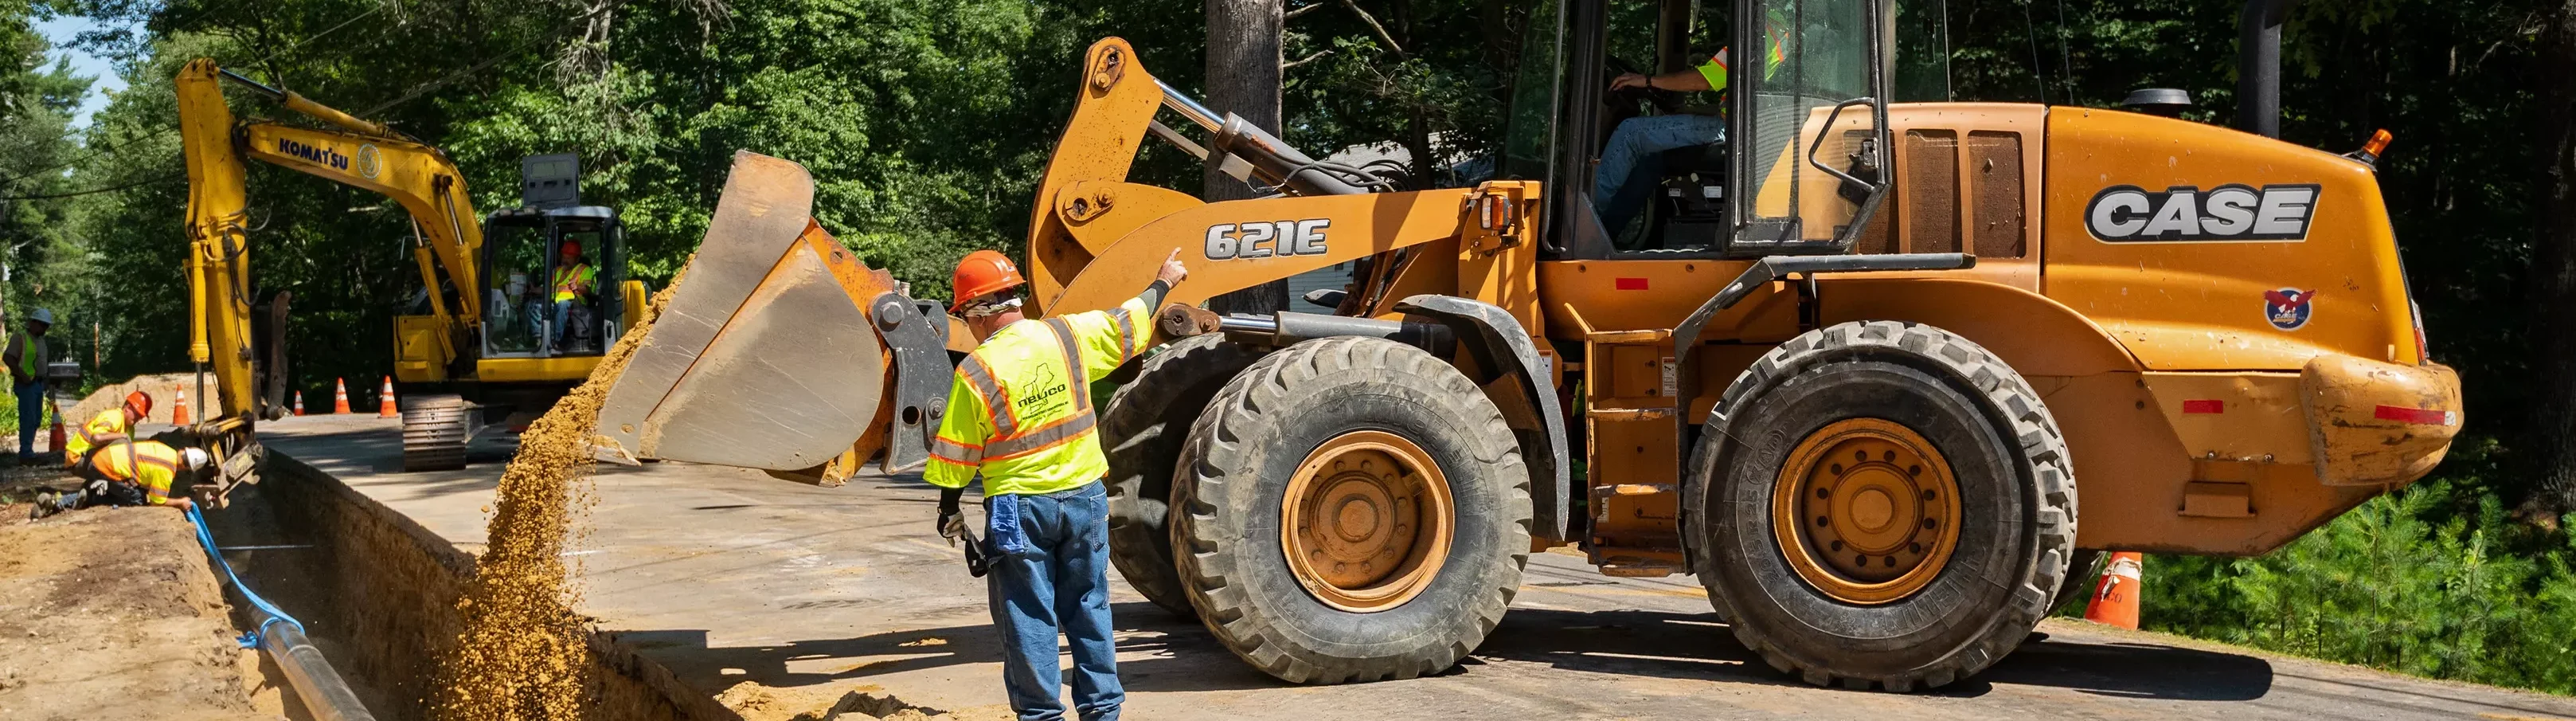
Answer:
(522, 252)
(1799, 168)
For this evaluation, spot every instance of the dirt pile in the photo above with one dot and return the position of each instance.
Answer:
(524, 653)
(756, 702)
(113, 614)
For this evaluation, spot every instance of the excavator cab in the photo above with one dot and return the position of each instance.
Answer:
(525, 314)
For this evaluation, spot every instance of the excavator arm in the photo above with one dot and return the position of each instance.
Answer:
(352, 152)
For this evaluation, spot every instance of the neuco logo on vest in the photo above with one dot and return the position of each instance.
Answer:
(1262, 240)
(2187, 214)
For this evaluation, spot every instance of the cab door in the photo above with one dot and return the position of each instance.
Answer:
(1809, 117)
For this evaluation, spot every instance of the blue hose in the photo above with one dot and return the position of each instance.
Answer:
(207, 538)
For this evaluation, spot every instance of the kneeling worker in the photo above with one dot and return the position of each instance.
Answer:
(109, 426)
(130, 473)
(1020, 412)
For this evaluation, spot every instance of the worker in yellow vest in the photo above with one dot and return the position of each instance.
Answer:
(573, 283)
(26, 359)
(131, 473)
(108, 426)
(1020, 412)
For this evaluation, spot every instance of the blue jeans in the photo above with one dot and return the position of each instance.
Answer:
(562, 307)
(31, 416)
(1053, 571)
(1638, 145)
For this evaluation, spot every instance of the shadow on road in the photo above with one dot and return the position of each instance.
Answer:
(2126, 670)
(1628, 642)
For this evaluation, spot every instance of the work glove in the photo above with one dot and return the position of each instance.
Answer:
(952, 522)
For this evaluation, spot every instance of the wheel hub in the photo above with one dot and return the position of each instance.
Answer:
(1866, 511)
(1366, 522)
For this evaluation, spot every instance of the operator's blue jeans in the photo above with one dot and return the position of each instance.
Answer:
(562, 308)
(31, 416)
(1638, 145)
(1052, 570)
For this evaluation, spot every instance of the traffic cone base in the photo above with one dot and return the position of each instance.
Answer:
(385, 401)
(340, 397)
(2115, 602)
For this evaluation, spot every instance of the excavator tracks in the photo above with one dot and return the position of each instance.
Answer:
(435, 430)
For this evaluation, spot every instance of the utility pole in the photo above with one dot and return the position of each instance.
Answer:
(1243, 57)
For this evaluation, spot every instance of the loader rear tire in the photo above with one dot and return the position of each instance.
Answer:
(1886, 504)
(1144, 426)
(435, 431)
(1356, 510)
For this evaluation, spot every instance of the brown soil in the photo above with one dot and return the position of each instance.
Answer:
(160, 386)
(113, 613)
(756, 702)
(524, 653)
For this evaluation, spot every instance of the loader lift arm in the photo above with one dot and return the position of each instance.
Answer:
(350, 151)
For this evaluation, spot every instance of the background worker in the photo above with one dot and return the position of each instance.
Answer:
(573, 282)
(108, 426)
(25, 357)
(1020, 412)
(130, 473)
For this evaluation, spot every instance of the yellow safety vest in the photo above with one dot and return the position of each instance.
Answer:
(108, 423)
(31, 356)
(150, 464)
(1776, 38)
(571, 282)
(1020, 407)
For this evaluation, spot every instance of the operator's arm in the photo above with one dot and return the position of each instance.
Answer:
(1110, 337)
(1710, 75)
(17, 350)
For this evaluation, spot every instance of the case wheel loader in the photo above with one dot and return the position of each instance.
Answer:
(1851, 370)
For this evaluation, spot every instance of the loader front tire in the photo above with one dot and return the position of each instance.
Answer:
(1357, 510)
(1143, 427)
(1881, 504)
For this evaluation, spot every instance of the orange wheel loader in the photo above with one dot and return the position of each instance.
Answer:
(1883, 375)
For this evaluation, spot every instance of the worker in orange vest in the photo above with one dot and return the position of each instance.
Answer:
(131, 473)
(109, 426)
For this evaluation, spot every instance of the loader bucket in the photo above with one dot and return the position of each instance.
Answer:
(764, 356)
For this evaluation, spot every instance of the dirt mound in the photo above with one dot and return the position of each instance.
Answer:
(161, 386)
(525, 652)
(756, 702)
(113, 613)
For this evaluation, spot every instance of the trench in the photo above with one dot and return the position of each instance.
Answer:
(377, 592)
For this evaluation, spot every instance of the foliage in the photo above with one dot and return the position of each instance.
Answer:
(2391, 584)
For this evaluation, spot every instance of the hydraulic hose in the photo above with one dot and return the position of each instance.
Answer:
(323, 692)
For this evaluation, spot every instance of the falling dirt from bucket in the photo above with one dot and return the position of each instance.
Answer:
(524, 654)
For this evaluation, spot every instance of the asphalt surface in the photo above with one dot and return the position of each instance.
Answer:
(725, 576)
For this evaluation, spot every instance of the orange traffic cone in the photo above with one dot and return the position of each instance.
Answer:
(299, 403)
(2116, 601)
(179, 408)
(57, 437)
(385, 401)
(340, 397)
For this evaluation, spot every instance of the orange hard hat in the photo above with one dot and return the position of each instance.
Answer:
(139, 402)
(982, 273)
(572, 246)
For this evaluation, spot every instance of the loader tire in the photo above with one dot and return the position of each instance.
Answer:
(2080, 572)
(435, 431)
(1316, 543)
(1881, 504)
(1143, 426)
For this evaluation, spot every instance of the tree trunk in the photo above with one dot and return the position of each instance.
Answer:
(2553, 434)
(1243, 57)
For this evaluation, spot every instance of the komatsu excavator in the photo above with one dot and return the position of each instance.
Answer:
(483, 333)
(1882, 375)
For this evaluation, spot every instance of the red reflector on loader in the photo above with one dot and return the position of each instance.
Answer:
(2415, 416)
(2204, 406)
(1631, 284)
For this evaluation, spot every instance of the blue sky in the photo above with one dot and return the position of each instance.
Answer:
(60, 31)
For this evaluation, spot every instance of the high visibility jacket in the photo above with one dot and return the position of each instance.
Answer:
(572, 282)
(31, 354)
(149, 464)
(1020, 407)
(108, 425)
(1775, 35)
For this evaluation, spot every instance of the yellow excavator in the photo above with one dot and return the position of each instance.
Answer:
(1884, 376)
(483, 337)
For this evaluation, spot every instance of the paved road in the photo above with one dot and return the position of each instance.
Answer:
(728, 576)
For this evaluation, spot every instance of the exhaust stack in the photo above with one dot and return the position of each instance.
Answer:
(2258, 66)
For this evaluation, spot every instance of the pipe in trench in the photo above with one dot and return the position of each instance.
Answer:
(321, 689)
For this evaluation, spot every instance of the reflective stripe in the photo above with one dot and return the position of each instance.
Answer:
(1075, 375)
(1126, 333)
(958, 453)
(1041, 439)
(996, 404)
